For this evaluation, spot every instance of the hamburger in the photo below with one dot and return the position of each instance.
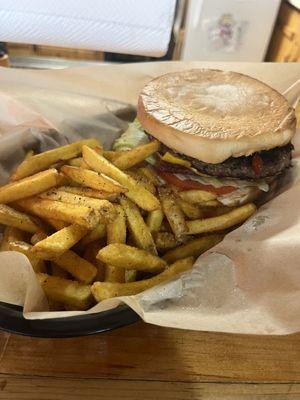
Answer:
(223, 132)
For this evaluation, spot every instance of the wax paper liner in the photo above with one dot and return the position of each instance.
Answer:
(249, 283)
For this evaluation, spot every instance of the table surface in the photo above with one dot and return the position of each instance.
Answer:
(147, 362)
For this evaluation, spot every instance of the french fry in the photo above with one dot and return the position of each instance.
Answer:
(60, 241)
(136, 192)
(142, 180)
(28, 186)
(29, 154)
(132, 157)
(88, 192)
(116, 233)
(38, 236)
(97, 233)
(196, 196)
(172, 212)
(17, 219)
(211, 203)
(71, 213)
(137, 226)
(25, 248)
(66, 291)
(106, 290)
(128, 257)
(103, 207)
(112, 155)
(75, 265)
(165, 240)
(194, 248)
(63, 180)
(191, 211)
(154, 220)
(92, 179)
(57, 165)
(56, 270)
(90, 253)
(221, 222)
(76, 162)
(150, 174)
(57, 224)
(215, 211)
(42, 161)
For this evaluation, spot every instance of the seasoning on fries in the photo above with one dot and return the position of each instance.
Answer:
(128, 257)
(105, 290)
(106, 219)
(42, 161)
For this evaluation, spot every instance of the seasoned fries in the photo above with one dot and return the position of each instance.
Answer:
(224, 221)
(128, 159)
(60, 241)
(107, 219)
(97, 233)
(66, 291)
(124, 256)
(197, 196)
(116, 233)
(17, 219)
(116, 230)
(193, 248)
(42, 161)
(149, 174)
(76, 162)
(28, 186)
(78, 267)
(90, 253)
(136, 192)
(88, 192)
(165, 240)
(71, 213)
(56, 270)
(191, 211)
(142, 180)
(106, 290)
(172, 212)
(57, 224)
(154, 220)
(92, 179)
(139, 230)
(212, 203)
(103, 207)
(112, 155)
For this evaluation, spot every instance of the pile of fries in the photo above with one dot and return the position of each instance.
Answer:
(97, 224)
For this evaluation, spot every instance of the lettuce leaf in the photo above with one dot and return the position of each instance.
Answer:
(133, 136)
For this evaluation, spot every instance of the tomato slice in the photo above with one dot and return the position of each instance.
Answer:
(257, 164)
(189, 184)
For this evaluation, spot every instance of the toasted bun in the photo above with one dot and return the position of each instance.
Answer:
(212, 115)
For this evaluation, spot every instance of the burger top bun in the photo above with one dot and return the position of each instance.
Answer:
(212, 115)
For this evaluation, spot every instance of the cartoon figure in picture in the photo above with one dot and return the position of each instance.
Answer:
(225, 33)
(226, 28)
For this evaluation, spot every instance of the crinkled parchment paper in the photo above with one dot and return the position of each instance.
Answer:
(249, 283)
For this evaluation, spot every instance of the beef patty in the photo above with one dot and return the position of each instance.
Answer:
(272, 162)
